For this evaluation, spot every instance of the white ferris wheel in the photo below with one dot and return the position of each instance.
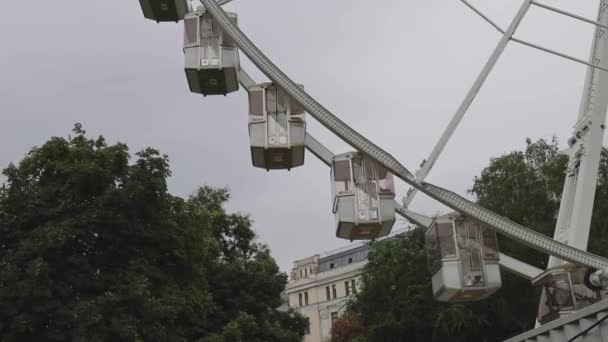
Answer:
(462, 246)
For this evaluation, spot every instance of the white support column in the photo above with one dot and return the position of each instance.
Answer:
(245, 80)
(576, 207)
(320, 151)
(518, 267)
(468, 100)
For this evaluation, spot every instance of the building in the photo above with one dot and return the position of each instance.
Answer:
(320, 287)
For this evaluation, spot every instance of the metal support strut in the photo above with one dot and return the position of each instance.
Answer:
(468, 100)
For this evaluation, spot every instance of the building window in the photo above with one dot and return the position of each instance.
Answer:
(350, 260)
(353, 287)
(300, 298)
(333, 290)
(327, 292)
(334, 317)
(305, 298)
(307, 326)
(300, 273)
(306, 272)
(331, 266)
(346, 289)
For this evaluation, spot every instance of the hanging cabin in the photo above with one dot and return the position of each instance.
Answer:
(211, 56)
(463, 259)
(363, 197)
(164, 10)
(277, 128)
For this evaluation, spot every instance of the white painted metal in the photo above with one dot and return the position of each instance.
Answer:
(506, 262)
(571, 15)
(566, 328)
(576, 208)
(320, 151)
(245, 80)
(518, 267)
(536, 46)
(211, 57)
(342, 130)
(420, 220)
(468, 100)
(565, 289)
(363, 194)
(463, 259)
(485, 17)
(277, 128)
(510, 264)
(557, 53)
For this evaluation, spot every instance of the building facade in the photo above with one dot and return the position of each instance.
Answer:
(320, 287)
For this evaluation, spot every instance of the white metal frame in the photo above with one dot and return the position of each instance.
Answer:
(508, 35)
(593, 107)
(510, 264)
(362, 144)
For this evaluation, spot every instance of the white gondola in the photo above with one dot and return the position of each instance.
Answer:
(164, 10)
(277, 128)
(463, 259)
(212, 59)
(565, 289)
(363, 197)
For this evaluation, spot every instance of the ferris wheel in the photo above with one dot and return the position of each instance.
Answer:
(462, 246)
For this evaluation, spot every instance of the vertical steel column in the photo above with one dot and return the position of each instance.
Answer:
(468, 100)
(576, 207)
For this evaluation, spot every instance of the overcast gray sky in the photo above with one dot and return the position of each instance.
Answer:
(396, 72)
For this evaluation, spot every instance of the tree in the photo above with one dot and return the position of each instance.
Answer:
(97, 249)
(348, 328)
(396, 303)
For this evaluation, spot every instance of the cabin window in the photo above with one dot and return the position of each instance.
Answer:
(559, 293)
(432, 249)
(209, 28)
(256, 102)
(445, 235)
(342, 176)
(490, 243)
(334, 317)
(469, 245)
(191, 28)
(307, 326)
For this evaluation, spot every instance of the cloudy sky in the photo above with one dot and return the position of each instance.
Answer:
(396, 72)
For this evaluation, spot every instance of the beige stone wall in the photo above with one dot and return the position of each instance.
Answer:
(319, 309)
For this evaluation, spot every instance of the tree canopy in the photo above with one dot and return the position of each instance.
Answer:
(396, 302)
(95, 248)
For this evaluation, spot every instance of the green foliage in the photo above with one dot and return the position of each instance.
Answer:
(96, 249)
(348, 328)
(396, 302)
(525, 187)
